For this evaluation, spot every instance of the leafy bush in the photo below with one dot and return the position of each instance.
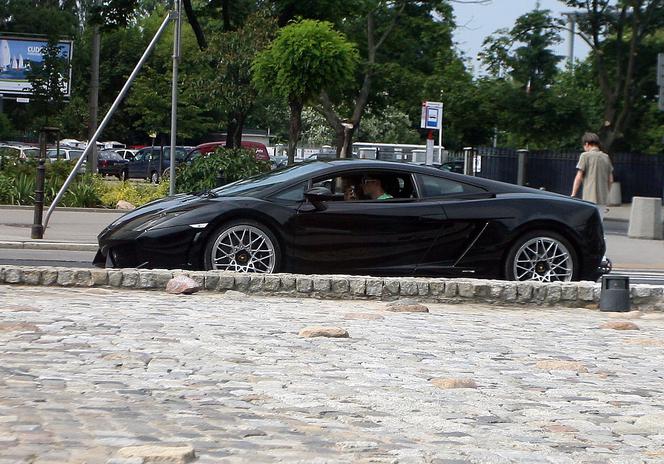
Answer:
(84, 192)
(202, 174)
(6, 189)
(17, 187)
(23, 192)
(136, 194)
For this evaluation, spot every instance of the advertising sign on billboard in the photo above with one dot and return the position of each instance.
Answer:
(19, 55)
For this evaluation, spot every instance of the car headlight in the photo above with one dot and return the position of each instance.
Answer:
(157, 221)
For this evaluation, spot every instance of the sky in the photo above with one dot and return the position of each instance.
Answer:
(476, 21)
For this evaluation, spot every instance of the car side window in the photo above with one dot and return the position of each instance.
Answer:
(439, 186)
(291, 194)
(141, 155)
(348, 186)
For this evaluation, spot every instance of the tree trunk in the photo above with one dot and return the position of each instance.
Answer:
(239, 126)
(294, 129)
(230, 131)
(195, 26)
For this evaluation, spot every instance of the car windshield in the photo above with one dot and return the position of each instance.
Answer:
(31, 152)
(110, 155)
(256, 184)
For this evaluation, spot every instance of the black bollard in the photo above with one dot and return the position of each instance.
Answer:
(37, 227)
(615, 294)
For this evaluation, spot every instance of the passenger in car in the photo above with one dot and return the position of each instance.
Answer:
(373, 188)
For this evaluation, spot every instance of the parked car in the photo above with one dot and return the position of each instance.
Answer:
(151, 163)
(18, 152)
(295, 219)
(209, 147)
(126, 153)
(65, 154)
(110, 163)
(453, 166)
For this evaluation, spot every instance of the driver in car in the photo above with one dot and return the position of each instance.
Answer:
(373, 188)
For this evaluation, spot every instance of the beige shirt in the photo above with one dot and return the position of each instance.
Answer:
(596, 166)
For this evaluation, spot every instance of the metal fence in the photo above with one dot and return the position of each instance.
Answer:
(638, 174)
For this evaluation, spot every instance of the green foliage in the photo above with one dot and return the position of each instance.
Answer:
(47, 78)
(149, 100)
(306, 58)
(135, 193)
(203, 173)
(389, 126)
(6, 127)
(17, 187)
(225, 83)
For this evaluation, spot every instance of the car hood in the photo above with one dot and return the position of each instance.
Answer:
(168, 204)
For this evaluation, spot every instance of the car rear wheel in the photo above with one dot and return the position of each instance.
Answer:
(243, 246)
(154, 177)
(542, 256)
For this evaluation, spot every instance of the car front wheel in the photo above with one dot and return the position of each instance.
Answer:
(243, 246)
(154, 177)
(542, 256)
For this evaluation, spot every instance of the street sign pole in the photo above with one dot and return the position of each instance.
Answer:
(432, 119)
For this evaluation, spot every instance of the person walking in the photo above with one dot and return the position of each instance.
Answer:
(594, 171)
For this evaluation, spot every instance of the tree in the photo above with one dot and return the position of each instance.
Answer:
(616, 31)
(226, 83)
(149, 100)
(524, 68)
(48, 80)
(306, 58)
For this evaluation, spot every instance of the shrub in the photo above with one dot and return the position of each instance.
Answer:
(136, 194)
(6, 189)
(202, 174)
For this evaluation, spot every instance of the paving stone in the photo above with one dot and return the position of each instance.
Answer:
(561, 365)
(159, 453)
(328, 332)
(449, 383)
(620, 325)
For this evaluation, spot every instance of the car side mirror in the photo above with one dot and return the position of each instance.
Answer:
(317, 196)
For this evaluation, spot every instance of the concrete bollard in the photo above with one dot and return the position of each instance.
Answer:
(615, 195)
(645, 218)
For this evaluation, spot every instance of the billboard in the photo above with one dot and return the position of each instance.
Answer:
(18, 55)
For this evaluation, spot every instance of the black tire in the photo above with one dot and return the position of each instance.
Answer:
(232, 236)
(154, 177)
(542, 256)
(124, 175)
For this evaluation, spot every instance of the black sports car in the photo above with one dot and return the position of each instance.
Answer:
(301, 219)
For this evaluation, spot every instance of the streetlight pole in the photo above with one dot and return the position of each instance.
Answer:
(174, 92)
(571, 31)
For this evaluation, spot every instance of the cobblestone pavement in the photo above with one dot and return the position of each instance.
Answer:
(87, 372)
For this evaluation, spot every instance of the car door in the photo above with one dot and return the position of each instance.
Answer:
(376, 237)
(138, 167)
(468, 215)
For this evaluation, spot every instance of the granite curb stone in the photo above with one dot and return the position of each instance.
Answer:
(572, 294)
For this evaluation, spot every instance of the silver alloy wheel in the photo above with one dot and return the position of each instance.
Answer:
(543, 259)
(243, 248)
(154, 177)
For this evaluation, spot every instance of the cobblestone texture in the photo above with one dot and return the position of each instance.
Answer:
(86, 372)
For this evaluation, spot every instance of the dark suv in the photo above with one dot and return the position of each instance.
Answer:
(152, 162)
